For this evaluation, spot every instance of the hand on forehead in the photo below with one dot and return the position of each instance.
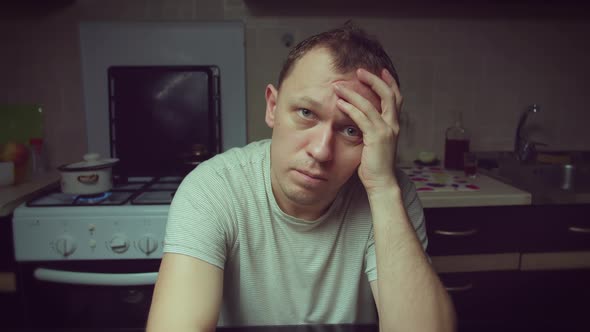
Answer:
(359, 87)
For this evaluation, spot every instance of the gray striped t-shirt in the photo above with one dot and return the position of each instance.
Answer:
(278, 269)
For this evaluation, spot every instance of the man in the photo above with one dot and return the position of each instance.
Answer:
(312, 225)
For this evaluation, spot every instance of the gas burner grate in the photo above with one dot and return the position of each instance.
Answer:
(135, 191)
(91, 199)
(57, 198)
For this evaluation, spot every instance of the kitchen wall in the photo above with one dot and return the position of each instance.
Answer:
(489, 67)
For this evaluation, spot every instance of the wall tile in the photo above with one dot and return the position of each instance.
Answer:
(172, 10)
(113, 9)
(490, 69)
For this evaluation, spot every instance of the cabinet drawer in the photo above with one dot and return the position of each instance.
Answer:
(482, 298)
(456, 231)
(7, 262)
(11, 309)
(556, 228)
(557, 299)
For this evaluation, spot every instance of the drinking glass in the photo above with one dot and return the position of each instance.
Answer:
(470, 164)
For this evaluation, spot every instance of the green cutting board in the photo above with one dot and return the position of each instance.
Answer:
(19, 123)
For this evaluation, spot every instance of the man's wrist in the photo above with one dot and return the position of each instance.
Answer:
(385, 195)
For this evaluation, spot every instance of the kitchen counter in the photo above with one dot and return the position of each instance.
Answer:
(492, 193)
(13, 196)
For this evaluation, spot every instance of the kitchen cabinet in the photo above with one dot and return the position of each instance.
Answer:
(6, 247)
(11, 316)
(484, 298)
(555, 267)
(473, 230)
(473, 241)
(557, 299)
(547, 286)
(551, 228)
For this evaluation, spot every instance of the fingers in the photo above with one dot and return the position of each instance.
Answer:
(379, 85)
(358, 101)
(388, 78)
(388, 90)
(363, 114)
(359, 118)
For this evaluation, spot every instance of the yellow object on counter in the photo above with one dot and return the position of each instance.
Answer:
(549, 158)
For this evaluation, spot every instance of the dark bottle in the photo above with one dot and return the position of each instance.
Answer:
(456, 144)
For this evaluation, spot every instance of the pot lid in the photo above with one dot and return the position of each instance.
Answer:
(91, 161)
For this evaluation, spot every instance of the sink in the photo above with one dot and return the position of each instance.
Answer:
(547, 183)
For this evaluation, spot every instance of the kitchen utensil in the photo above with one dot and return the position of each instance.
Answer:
(88, 177)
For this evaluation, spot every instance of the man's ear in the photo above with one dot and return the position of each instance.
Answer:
(271, 96)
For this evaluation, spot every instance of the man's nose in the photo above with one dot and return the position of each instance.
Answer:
(321, 145)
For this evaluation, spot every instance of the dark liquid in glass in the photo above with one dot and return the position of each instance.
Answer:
(470, 170)
(454, 150)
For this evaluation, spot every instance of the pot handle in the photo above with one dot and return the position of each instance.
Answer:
(88, 179)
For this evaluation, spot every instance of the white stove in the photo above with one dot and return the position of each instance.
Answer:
(92, 261)
(126, 223)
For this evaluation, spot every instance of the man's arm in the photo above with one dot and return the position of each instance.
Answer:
(408, 293)
(409, 296)
(187, 295)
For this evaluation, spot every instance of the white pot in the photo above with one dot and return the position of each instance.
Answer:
(91, 176)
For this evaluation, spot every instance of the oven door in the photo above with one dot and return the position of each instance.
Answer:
(89, 294)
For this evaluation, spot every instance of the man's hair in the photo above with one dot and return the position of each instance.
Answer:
(350, 47)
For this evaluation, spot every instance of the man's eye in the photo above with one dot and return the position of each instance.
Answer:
(305, 113)
(352, 131)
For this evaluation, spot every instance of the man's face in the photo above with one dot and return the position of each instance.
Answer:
(315, 147)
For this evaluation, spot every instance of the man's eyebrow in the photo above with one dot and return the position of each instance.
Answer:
(310, 101)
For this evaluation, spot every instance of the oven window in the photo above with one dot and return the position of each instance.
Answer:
(76, 303)
(163, 118)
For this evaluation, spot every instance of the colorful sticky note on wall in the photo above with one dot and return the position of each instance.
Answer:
(19, 123)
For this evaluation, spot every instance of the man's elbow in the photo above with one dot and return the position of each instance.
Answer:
(176, 328)
(448, 319)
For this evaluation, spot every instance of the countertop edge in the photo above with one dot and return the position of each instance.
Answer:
(480, 201)
(493, 192)
(12, 196)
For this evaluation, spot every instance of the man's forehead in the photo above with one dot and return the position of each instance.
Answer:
(362, 89)
(315, 71)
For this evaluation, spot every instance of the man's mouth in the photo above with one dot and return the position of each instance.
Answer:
(313, 175)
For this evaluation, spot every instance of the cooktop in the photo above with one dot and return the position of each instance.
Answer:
(134, 191)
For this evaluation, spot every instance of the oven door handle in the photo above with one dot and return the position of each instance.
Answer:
(96, 279)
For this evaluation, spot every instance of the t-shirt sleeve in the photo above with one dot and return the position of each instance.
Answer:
(415, 214)
(199, 219)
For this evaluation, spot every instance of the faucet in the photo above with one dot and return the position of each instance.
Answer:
(524, 149)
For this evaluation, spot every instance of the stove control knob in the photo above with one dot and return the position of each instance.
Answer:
(147, 244)
(65, 245)
(119, 243)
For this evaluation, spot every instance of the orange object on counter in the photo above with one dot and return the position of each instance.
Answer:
(20, 155)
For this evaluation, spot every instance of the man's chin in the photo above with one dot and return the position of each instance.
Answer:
(309, 197)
